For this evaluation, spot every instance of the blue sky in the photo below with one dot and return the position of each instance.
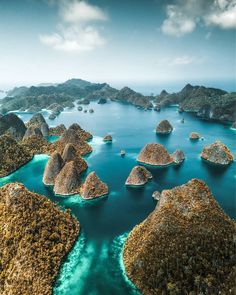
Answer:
(120, 42)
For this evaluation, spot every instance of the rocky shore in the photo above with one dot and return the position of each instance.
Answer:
(185, 246)
(35, 237)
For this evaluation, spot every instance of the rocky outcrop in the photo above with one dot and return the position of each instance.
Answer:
(32, 130)
(155, 154)
(84, 135)
(70, 154)
(102, 101)
(12, 125)
(156, 196)
(67, 181)
(84, 101)
(178, 156)
(80, 108)
(35, 237)
(217, 153)
(52, 169)
(36, 145)
(52, 116)
(138, 176)
(234, 125)
(38, 121)
(194, 136)
(185, 246)
(12, 155)
(93, 187)
(164, 127)
(58, 130)
(107, 138)
(34, 109)
(74, 137)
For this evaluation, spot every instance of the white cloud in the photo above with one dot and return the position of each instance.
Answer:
(81, 11)
(183, 17)
(176, 23)
(182, 60)
(224, 17)
(78, 30)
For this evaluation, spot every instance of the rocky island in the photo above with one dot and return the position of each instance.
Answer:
(138, 176)
(155, 154)
(164, 127)
(160, 255)
(35, 237)
(194, 136)
(93, 187)
(217, 153)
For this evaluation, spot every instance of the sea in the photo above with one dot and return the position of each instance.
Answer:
(94, 265)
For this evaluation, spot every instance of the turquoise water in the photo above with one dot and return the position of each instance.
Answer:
(94, 265)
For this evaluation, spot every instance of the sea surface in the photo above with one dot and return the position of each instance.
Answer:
(94, 265)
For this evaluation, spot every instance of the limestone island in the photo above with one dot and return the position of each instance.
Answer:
(185, 246)
(138, 176)
(194, 136)
(93, 187)
(107, 138)
(155, 154)
(217, 153)
(35, 237)
(164, 127)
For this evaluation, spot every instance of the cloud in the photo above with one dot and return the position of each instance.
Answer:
(185, 15)
(182, 60)
(78, 30)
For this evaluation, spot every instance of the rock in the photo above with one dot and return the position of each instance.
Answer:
(74, 137)
(91, 111)
(164, 127)
(156, 196)
(178, 156)
(85, 111)
(234, 125)
(194, 136)
(12, 125)
(45, 129)
(37, 120)
(122, 153)
(68, 104)
(79, 108)
(67, 181)
(217, 153)
(155, 154)
(161, 251)
(84, 135)
(35, 144)
(52, 169)
(52, 116)
(182, 120)
(55, 107)
(107, 138)
(12, 155)
(102, 101)
(180, 110)
(157, 108)
(138, 176)
(84, 101)
(58, 130)
(70, 154)
(93, 187)
(35, 237)
(32, 131)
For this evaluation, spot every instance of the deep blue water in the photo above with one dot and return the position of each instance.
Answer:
(94, 267)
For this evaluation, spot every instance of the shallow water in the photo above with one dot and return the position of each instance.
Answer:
(94, 265)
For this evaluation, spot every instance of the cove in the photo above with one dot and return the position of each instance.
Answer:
(94, 264)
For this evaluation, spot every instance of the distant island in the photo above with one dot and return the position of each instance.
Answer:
(206, 103)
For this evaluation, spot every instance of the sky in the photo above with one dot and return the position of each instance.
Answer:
(125, 42)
